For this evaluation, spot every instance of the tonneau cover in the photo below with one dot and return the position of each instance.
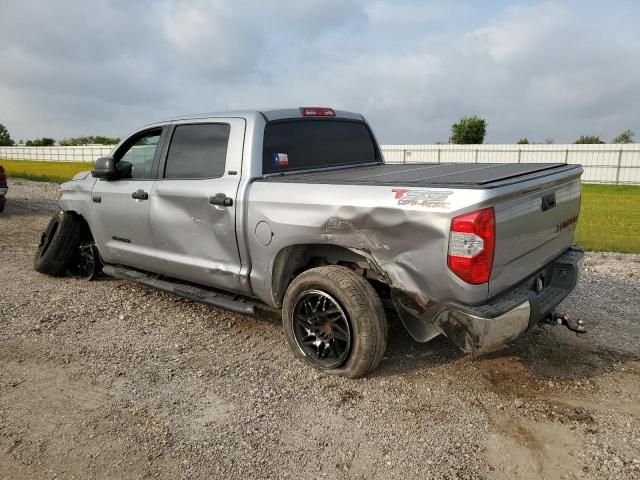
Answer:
(472, 175)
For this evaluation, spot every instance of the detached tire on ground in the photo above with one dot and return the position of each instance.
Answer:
(333, 320)
(58, 244)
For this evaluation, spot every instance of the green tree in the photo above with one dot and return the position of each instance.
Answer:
(589, 139)
(624, 137)
(41, 142)
(99, 139)
(469, 130)
(5, 138)
(523, 141)
(89, 140)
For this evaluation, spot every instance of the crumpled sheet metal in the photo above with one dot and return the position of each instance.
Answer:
(480, 335)
(412, 254)
(397, 243)
(406, 243)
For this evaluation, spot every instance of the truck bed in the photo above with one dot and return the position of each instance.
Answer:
(470, 175)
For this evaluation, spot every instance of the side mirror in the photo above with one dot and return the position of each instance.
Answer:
(105, 168)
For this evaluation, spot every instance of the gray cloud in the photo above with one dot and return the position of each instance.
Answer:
(541, 70)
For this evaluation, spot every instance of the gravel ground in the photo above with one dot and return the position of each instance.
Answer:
(108, 379)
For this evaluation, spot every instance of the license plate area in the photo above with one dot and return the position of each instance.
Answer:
(542, 279)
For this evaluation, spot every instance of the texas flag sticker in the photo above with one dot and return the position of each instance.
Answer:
(280, 160)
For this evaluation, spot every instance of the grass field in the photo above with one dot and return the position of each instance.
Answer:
(44, 171)
(609, 217)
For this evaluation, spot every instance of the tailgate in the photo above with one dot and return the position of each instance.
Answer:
(532, 230)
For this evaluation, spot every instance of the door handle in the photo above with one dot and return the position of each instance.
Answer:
(548, 202)
(140, 195)
(221, 199)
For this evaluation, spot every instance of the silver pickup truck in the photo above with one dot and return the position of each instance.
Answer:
(296, 209)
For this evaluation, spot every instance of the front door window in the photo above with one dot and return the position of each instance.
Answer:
(139, 155)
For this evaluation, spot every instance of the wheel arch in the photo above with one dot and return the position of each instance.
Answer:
(86, 229)
(293, 260)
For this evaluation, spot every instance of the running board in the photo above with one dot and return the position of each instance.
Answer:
(191, 292)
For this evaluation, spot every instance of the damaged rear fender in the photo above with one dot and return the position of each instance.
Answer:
(291, 261)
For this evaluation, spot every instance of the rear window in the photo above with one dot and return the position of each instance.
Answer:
(304, 144)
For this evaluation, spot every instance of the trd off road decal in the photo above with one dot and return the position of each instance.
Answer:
(422, 198)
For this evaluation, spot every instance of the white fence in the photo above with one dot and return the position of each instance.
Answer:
(606, 163)
(56, 154)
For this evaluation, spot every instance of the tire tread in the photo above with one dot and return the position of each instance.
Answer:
(65, 242)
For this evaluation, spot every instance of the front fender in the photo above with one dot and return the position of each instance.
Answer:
(76, 194)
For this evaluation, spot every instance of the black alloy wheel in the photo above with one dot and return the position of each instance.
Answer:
(333, 320)
(321, 329)
(87, 263)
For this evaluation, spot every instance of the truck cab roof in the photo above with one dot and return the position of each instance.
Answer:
(266, 114)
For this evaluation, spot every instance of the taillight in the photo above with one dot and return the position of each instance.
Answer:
(472, 241)
(317, 112)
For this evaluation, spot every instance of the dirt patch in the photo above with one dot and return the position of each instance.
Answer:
(524, 449)
(509, 376)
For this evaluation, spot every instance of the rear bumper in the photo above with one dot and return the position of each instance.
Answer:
(3, 191)
(503, 319)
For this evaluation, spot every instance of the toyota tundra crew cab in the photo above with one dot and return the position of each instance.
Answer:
(296, 209)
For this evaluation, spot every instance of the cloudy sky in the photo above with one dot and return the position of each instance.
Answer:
(542, 70)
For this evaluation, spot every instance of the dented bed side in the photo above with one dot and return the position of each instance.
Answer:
(403, 234)
(404, 230)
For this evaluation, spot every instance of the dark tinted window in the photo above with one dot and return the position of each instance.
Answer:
(303, 144)
(197, 151)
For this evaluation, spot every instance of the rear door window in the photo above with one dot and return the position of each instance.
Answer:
(305, 144)
(197, 151)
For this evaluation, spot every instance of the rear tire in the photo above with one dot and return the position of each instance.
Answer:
(58, 244)
(334, 321)
(3, 202)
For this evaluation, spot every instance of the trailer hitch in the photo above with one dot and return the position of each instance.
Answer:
(564, 319)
